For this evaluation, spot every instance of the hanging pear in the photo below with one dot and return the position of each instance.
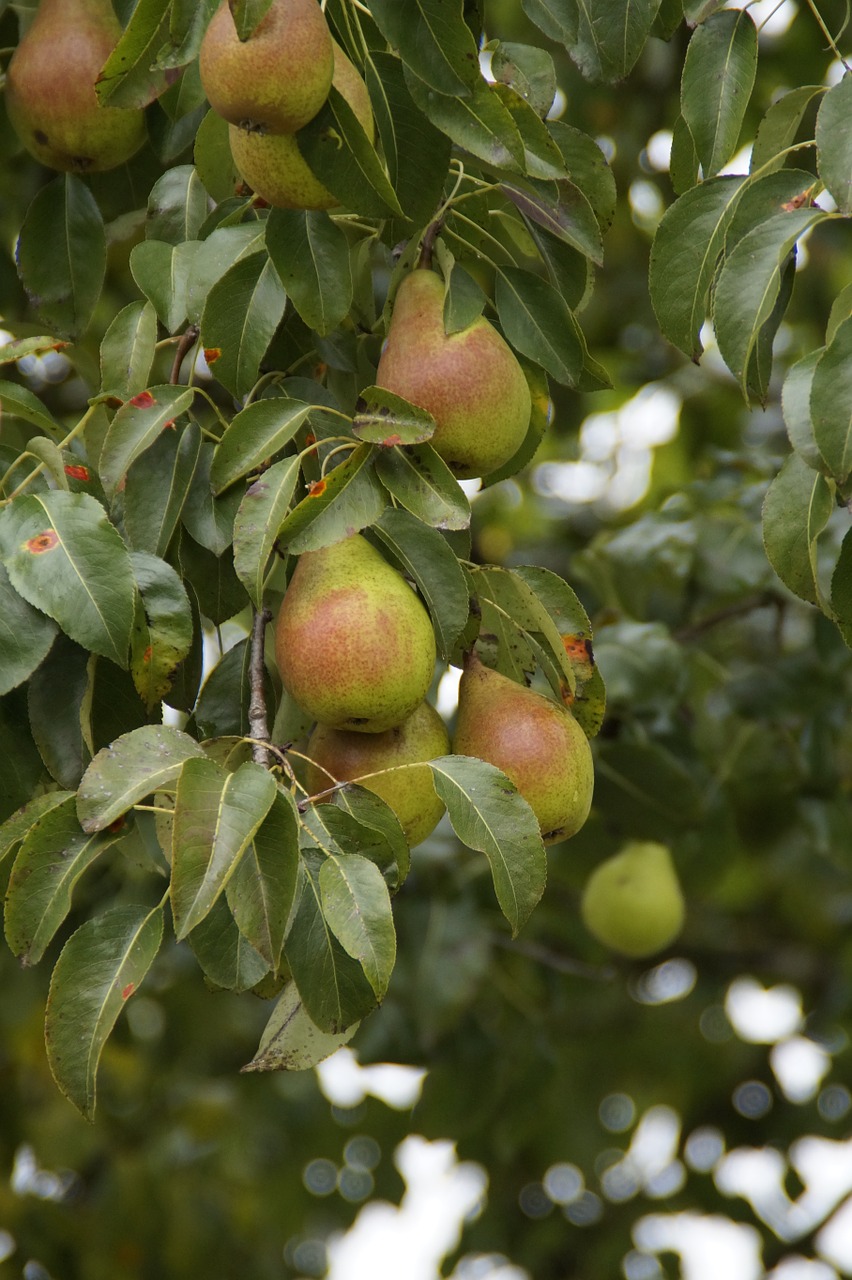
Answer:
(338, 755)
(536, 742)
(277, 80)
(469, 381)
(50, 89)
(354, 645)
(633, 901)
(274, 167)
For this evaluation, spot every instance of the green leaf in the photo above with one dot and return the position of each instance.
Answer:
(53, 856)
(347, 500)
(560, 208)
(310, 252)
(344, 159)
(209, 517)
(356, 906)
(529, 71)
(517, 625)
(434, 41)
(26, 636)
(479, 123)
(488, 814)
(759, 369)
(587, 169)
(834, 142)
(223, 704)
(556, 18)
(228, 959)
(156, 489)
(129, 77)
(62, 255)
(686, 247)
(255, 435)
(542, 157)
(382, 417)
(187, 23)
(331, 984)
(132, 767)
(214, 161)
(216, 816)
(136, 426)
(177, 206)
(99, 969)
(127, 350)
(831, 403)
(420, 480)
(58, 703)
(23, 770)
(797, 508)
(718, 77)
(261, 514)
(262, 889)
(19, 402)
(14, 350)
(382, 838)
(65, 558)
(247, 15)
(778, 128)
(222, 250)
(242, 312)
(162, 271)
(162, 632)
(610, 37)
(841, 309)
(424, 555)
(749, 284)
(15, 828)
(538, 322)
(841, 590)
(464, 299)
(683, 161)
(220, 592)
(291, 1041)
(796, 404)
(647, 792)
(416, 153)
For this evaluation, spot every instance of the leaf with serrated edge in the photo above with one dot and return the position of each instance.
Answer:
(834, 144)
(488, 814)
(261, 513)
(420, 480)
(135, 427)
(797, 507)
(98, 970)
(831, 403)
(382, 417)
(253, 436)
(262, 889)
(718, 77)
(291, 1041)
(132, 767)
(15, 828)
(356, 904)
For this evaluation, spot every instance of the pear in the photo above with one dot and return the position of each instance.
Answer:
(354, 645)
(277, 80)
(469, 381)
(50, 89)
(633, 901)
(339, 755)
(536, 742)
(274, 167)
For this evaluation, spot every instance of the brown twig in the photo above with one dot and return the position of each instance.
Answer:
(427, 244)
(763, 600)
(258, 723)
(186, 343)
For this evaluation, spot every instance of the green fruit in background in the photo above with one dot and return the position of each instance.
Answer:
(633, 902)
(469, 381)
(50, 89)
(274, 167)
(347, 756)
(534, 741)
(277, 80)
(353, 643)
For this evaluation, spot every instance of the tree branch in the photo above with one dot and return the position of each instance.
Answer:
(258, 722)
(186, 343)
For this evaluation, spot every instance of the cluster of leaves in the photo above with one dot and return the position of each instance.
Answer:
(168, 509)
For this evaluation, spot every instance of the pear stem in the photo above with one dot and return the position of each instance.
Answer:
(186, 342)
(258, 722)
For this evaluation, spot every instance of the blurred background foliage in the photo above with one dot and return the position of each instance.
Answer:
(727, 736)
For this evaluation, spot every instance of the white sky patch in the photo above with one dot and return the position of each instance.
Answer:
(658, 149)
(770, 18)
(798, 1268)
(799, 1066)
(447, 697)
(760, 1015)
(740, 162)
(708, 1246)
(346, 1083)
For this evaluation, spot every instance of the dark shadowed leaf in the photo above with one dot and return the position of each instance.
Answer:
(243, 309)
(26, 636)
(156, 489)
(831, 403)
(797, 507)
(537, 321)
(310, 252)
(341, 155)
(62, 255)
(57, 698)
(834, 143)
(424, 555)
(433, 40)
(228, 959)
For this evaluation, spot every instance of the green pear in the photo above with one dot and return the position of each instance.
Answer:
(338, 755)
(536, 742)
(50, 89)
(274, 167)
(633, 901)
(277, 80)
(354, 645)
(469, 381)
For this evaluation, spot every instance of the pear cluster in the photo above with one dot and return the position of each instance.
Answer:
(50, 89)
(270, 86)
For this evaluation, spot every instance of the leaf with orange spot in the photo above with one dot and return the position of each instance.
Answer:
(212, 354)
(42, 542)
(127, 991)
(77, 472)
(136, 426)
(317, 488)
(144, 400)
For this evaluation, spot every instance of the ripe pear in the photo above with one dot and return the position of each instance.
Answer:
(469, 381)
(277, 80)
(342, 756)
(50, 89)
(274, 167)
(536, 742)
(633, 901)
(354, 645)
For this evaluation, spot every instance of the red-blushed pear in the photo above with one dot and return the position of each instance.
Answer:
(342, 756)
(274, 167)
(536, 742)
(469, 381)
(277, 80)
(50, 89)
(353, 643)
(633, 902)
